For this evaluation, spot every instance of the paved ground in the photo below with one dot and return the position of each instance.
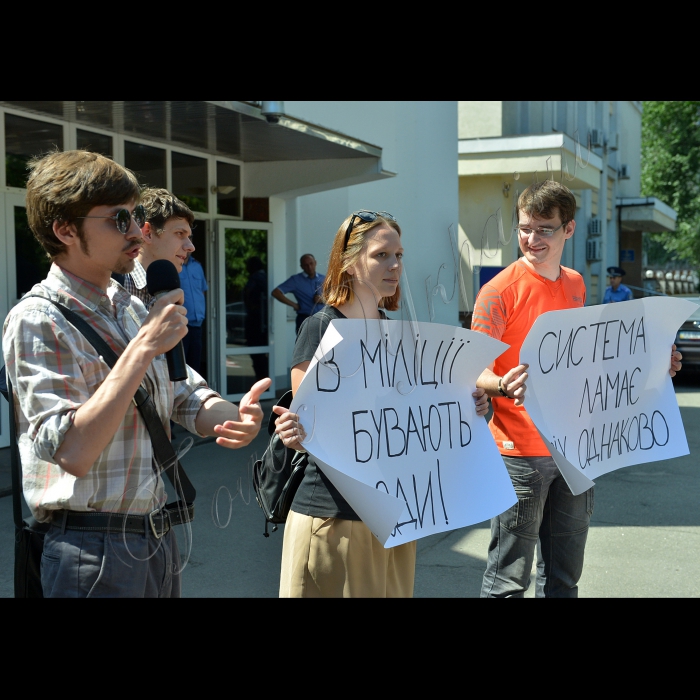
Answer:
(644, 541)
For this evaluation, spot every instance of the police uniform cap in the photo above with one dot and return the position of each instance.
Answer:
(616, 271)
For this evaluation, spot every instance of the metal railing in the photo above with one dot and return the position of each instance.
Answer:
(651, 292)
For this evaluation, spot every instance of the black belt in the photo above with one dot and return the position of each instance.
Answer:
(157, 522)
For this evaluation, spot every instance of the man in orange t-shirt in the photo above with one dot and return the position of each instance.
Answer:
(547, 514)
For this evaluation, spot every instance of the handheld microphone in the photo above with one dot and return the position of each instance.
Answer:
(162, 277)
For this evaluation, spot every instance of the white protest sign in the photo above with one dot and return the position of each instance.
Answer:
(389, 416)
(599, 390)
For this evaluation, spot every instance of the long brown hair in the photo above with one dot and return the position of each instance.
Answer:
(338, 285)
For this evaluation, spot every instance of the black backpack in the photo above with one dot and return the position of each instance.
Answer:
(4, 390)
(276, 477)
(29, 533)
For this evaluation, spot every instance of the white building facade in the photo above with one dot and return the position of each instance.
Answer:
(267, 179)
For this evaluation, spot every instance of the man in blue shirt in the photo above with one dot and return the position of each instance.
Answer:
(616, 291)
(194, 284)
(306, 286)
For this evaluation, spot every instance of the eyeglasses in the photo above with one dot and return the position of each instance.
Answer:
(123, 218)
(367, 217)
(541, 232)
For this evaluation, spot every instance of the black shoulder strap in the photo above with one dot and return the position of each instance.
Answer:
(162, 447)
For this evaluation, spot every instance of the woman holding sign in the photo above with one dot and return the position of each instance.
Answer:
(328, 551)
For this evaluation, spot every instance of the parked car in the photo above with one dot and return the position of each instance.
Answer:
(688, 338)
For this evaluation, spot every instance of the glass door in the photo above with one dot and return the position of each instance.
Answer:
(245, 333)
(23, 264)
(5, 262)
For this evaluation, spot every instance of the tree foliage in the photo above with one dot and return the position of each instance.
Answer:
(671, 172)
(241, 244)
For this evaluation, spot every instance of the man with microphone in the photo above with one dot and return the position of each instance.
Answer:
(85, 450)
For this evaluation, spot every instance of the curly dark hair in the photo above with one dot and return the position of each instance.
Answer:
(161, 205)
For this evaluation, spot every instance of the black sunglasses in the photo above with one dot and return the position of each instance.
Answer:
(123, 218)
(367, 217)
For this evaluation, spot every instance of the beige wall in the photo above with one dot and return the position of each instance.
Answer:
(630, 153)
(632, 240)
(509, 118)
(480, 198)
(480, 119)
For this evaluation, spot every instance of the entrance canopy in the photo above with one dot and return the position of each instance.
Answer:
(286, 159)
(645, 214)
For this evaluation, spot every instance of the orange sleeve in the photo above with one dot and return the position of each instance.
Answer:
(489, 315)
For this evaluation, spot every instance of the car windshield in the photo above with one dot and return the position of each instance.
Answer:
(695, 316)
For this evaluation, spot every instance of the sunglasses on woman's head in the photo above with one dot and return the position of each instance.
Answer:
(123, 218)
(367, 217)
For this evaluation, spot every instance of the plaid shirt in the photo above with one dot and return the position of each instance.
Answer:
(54, 370)
(135, 284)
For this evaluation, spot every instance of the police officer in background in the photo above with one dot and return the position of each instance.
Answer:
(306, 287)
(194, 285)
(616, 291)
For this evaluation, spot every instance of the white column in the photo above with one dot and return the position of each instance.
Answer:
(277, 272)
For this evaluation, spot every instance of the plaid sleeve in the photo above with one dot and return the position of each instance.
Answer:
(190, 396)
(49, 372)
(489, 315)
